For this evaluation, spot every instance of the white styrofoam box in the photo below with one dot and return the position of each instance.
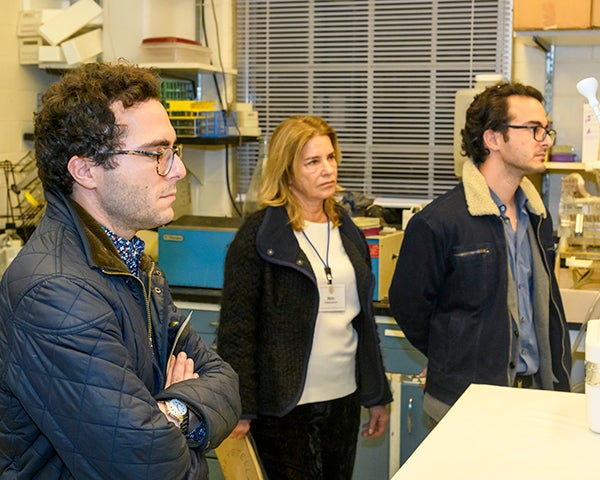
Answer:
(50, 53)
(247, 119)
(241, 107)
(249, 131)
(96, 22)
(69, 21)
(83, 46)
(30, 21)
(28, 50)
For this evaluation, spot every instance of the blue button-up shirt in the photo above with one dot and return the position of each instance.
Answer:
(519, 254)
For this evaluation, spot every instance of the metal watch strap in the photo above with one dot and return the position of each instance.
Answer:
(185, 422)
(180, 411)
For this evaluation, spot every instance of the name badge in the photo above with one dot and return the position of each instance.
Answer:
(332, 298)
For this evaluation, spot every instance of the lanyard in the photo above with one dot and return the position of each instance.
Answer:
(326, 261)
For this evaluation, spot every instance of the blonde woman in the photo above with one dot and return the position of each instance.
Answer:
(296, 314)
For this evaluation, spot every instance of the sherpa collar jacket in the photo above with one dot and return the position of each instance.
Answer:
(79, 382)
(450, 292)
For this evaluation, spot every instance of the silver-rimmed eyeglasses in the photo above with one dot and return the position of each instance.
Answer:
(164, 157)
(539, 133)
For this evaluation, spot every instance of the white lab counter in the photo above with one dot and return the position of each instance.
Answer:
(495, 433)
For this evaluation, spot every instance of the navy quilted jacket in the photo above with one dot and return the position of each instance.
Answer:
(79, 382)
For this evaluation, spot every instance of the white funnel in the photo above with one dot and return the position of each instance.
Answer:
(588, 87)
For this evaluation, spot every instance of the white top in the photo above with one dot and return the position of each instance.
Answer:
(499, 433)
(331, 366)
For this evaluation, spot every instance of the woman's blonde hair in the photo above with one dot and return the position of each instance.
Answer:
(287, 142)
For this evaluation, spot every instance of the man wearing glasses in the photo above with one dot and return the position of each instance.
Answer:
(100, 375)
(474, 287)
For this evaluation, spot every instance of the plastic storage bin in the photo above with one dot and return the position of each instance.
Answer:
(205, 124)
(174, 49)
(197, 119)
(176, 89)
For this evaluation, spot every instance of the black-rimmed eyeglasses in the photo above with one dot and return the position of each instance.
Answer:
(539, 133)
(164, 157)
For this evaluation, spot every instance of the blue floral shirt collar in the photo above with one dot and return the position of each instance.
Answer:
(130, 251)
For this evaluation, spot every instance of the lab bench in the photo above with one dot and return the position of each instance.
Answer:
(377, 458)
(495, 432)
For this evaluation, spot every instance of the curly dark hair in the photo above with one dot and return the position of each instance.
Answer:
(489, 110)
(75, 117)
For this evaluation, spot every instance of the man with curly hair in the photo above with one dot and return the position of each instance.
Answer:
(474, 287)
(100, 374)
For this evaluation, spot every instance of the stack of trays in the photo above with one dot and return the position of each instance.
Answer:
(192, 118)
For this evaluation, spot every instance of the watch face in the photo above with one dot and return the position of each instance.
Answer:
(176, 408)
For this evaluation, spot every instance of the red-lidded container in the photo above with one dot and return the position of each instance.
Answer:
(174, 49)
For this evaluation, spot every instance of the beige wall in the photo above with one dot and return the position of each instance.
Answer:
(19, 89)
(19, 86)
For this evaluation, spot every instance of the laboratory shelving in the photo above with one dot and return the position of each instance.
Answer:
(548, 40)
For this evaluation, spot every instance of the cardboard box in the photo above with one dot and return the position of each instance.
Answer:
(384, 251)
(595, 13)
(552, 14)
(239, 460)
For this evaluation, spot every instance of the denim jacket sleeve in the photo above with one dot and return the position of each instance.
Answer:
(417, 280)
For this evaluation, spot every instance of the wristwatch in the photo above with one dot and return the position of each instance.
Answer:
(179, 410)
